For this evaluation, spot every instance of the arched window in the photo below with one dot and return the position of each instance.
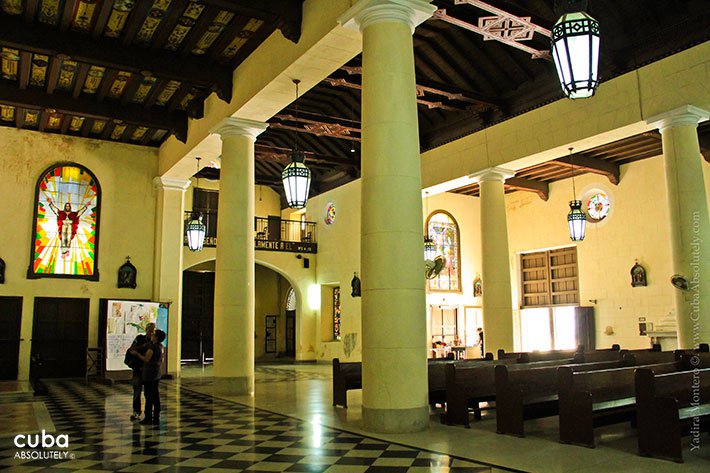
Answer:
(65, 228)
(291, 299)
(443, 229)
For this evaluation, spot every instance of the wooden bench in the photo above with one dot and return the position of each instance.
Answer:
(346, 376)
(669, 404)
(468, 386)
(523, 394)
(589, 399)
(532, 356)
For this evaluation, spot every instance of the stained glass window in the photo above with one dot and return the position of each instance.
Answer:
(444, 230)
(598, 207)
(65, 227)
(336, 313)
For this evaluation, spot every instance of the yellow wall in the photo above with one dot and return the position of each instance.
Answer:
(127, 227)
(338, 259)
(636, 228)
(267, 301)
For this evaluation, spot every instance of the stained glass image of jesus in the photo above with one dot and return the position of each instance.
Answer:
(66, 223)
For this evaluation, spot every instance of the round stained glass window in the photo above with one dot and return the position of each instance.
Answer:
(598, 207)
(329, 213)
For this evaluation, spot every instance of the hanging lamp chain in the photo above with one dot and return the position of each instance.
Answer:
(574, 189)
(295, 145)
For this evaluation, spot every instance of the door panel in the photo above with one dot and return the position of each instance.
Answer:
(197, 316)
(10, 321)
(60, 337)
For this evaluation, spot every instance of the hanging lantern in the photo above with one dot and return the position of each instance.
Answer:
(196, 230)
(296, 178)
(575, 49)
(196, 233)
(429, 249)
(577, 220)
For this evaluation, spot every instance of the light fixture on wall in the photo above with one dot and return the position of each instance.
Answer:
(575, 49)
(195, 228)
(429, 245)
(576, 218)
(296, 176)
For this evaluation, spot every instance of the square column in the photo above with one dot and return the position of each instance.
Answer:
(167, 278)
(234, 272)
(689, 220)
(495, 264)
(394, 346)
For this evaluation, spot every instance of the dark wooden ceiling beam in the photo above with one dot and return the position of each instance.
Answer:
(53, 73)
(135, 21)
(88, 125)
(31, 10)
(542, 189)
(104, 52)
(106, 83)
(102, 18)
(68, 105)
(310, 156)
(23, 78)
(82, 72)
(67, 15)
(167, 25)
(198, 30)
(19, 117)
(286, 14)
(593, 165)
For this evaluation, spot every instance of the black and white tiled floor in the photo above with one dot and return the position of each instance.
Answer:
(202, 433)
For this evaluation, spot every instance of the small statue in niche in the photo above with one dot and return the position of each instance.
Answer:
(638, 275)
(355, 284)
(477, 287)
(127, 274)
(2, 271)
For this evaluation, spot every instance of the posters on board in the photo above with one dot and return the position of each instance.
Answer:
(125, 321)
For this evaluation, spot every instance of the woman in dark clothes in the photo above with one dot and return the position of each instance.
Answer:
(152, 362)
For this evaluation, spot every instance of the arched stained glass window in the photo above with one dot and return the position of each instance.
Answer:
(66, 224)
(444, 230)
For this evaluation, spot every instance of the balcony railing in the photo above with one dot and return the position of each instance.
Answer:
(270, 233)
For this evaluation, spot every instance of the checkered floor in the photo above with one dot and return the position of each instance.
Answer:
(201, 433)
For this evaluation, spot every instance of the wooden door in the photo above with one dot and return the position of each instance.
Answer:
(10, 321)
(270, 335)
(60, 337)
(197, 316)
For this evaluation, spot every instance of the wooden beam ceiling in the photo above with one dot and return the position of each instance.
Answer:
(66, 104)
(593, 165)
(103, 52)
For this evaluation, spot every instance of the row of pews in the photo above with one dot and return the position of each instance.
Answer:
(664, 394)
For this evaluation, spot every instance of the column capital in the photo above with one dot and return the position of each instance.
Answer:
(367, 12)
(240, 126)
(685, 115)
(171, 183)
(492, 174)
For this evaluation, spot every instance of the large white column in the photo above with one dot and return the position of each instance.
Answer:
(234, 273)
(495, 264)
(167, 275)
(394, 348)
(689, 220)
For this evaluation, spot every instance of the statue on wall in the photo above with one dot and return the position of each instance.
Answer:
(127, 274)
(355, 284)
(638, 275)
(477, 287)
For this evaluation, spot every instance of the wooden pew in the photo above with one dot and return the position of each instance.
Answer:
(346, 376)
(436, 372)
(589, 399)
(467, 387)
(667, 404)
(523, 394)
(527, 357)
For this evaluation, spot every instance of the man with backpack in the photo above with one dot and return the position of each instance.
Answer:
(140, 344)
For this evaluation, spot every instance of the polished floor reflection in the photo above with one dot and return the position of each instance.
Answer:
(289, 425)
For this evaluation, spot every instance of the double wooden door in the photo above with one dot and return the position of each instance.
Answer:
(197, 316)
(60, 332)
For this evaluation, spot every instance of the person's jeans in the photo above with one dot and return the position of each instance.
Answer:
(137, 388)
(152, 400)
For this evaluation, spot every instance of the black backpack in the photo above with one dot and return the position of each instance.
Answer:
(131, 360)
